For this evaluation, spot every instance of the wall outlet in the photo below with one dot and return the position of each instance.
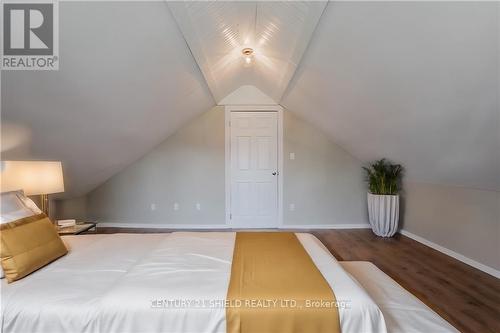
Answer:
(153, 206)
(176, 206)
(292, 156)
(198, 206)
(292, 207)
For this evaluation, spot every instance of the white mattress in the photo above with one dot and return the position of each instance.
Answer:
(110, 283)
(403, 312)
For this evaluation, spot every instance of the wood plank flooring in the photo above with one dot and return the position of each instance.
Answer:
(466, 297)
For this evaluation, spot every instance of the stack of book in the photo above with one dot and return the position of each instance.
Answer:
(66, 223)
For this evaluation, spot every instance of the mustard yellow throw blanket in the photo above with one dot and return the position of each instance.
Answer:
(276, 287)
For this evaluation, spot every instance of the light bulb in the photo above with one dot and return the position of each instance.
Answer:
(247, 55)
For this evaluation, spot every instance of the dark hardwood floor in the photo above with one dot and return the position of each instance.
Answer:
(466, 297)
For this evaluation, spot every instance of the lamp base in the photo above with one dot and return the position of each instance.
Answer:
(44, 200)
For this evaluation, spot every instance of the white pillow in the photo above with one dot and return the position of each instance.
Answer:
(15, 205)
(29, 203)
(10, 202)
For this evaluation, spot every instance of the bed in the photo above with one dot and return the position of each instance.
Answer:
(173, 282)
(403, 312)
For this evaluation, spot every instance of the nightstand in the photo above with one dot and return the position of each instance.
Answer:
(77, 229)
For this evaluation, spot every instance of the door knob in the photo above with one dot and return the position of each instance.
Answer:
(274, 173)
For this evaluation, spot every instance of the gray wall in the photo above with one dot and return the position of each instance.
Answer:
(463, 220)
(75, 208)
(187, 168)
(323, 182)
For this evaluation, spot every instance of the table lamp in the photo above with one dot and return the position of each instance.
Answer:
(34, 178)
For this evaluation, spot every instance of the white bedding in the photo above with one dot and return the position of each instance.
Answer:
(118, 282)
(403, 312)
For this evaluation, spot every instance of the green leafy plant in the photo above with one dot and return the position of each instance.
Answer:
(384, 178)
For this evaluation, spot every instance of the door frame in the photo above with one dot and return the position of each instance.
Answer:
(227, 138)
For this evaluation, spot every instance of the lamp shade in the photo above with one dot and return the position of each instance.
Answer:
(33, 177)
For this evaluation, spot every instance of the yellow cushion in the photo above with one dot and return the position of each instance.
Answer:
(28, 244)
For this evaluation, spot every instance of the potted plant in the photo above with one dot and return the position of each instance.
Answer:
(384, 183)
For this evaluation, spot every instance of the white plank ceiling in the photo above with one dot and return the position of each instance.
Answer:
(216, 32)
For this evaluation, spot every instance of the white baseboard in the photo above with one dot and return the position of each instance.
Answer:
(453, 254)
(225, 226)
(162, 225)
(325, 226)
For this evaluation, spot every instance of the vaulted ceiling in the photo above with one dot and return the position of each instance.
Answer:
(126, 81)
(415, 82)
(218, 31)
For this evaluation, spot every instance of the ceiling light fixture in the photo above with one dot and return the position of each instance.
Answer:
(248, 55)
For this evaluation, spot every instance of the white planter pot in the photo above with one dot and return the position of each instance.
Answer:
(383, 213)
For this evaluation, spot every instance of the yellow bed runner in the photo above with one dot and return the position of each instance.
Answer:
(276, 287)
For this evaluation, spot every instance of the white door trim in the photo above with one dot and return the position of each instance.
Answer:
(227, 117)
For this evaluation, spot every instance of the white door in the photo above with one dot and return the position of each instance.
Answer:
(254, 169)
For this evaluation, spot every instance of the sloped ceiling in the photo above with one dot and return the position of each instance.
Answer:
(416, 82)
(217, 31)
(126, 81)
